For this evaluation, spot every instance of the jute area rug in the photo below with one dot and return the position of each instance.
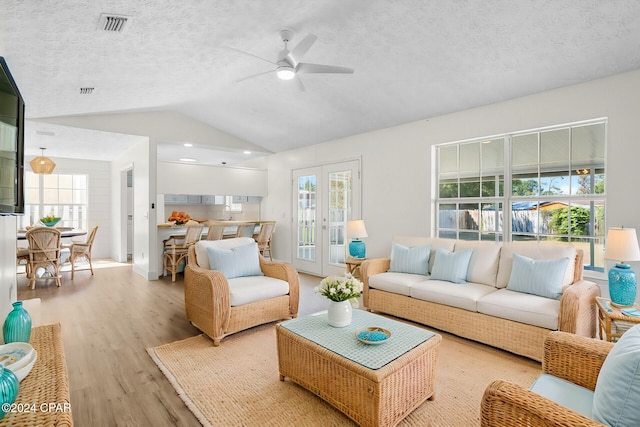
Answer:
(237, 383)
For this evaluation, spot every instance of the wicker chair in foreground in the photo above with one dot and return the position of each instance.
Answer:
(582, 362)
(252, 292)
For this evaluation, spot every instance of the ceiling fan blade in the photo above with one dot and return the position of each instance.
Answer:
(296, 54)
(300, 84)
(319, 68)
(250, 54)
(254, 75)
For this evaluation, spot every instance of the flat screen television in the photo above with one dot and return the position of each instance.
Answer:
(11, 144)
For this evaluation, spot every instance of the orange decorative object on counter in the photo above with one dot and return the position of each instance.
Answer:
(179, 217)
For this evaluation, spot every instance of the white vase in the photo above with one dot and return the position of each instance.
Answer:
(339, 313)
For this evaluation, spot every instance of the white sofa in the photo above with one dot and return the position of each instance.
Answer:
(486, 308)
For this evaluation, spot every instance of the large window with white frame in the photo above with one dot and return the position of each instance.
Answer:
(542, 184)
(61, 195)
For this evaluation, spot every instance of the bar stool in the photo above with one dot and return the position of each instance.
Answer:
(176, 248)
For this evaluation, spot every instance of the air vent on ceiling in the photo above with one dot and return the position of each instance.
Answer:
(86, 90)
(113, 23)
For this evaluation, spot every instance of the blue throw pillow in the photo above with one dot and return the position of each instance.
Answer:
(617, 393)
(451, 266)
(541, 277)
(236, 262)
(413, 260)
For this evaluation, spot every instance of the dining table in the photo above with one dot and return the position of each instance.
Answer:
(64, 233)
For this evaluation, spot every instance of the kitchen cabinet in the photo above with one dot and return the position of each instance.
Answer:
(213, 200)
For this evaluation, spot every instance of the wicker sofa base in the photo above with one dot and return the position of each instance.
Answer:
(515, 337)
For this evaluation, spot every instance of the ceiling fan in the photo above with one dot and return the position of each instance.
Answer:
(289, 64)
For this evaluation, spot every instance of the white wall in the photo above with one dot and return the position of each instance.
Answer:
(396, 162)
(8, 270)
(142, 159)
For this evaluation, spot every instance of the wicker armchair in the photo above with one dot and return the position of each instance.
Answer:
(207, 298)
(571, 357)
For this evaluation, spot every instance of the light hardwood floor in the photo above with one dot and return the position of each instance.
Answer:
(108, 321)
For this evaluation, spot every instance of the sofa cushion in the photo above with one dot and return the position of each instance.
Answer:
(413, 260)
(240, 261)
(537, 276)
(565, 393)
(451, 266)
(535, 250)
(520, 307)
(434, 242)
(245, 290)
(483, 266)
(202, 257)
(617, 393)
(398, 283)
(463, 296)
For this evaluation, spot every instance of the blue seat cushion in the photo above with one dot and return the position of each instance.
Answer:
(565, 393)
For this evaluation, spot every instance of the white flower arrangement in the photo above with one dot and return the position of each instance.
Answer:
(340, 288)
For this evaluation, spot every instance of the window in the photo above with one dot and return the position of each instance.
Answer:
(545, 184)
(63, 195)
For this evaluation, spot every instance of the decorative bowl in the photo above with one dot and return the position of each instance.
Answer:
(16, 355)
(373, 335)
(50, 222)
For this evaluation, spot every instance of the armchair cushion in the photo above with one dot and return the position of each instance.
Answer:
(202, 256)
(240, 261)
(245, 290)
(565, 393)
(615, 400)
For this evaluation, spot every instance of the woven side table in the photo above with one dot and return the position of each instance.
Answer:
(43, 396)
(612, 323)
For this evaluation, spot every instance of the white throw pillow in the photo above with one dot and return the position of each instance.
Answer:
(451, 266)
(541, 277)
(240, 261)
(413, 260)
(616, 399)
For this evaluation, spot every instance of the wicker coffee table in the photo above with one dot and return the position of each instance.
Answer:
(374, 385)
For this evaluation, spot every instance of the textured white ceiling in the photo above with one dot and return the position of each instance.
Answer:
(413, 59)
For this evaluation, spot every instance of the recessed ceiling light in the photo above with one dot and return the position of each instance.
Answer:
(247, 152)
(186, 159)
(188, 144)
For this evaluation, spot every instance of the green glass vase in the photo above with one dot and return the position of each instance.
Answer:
(17, 325)
(8, 389)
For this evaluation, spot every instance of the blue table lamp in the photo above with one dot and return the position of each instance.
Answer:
(622, 245)
(355, 231)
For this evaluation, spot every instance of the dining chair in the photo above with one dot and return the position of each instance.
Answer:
(80, 250)
(176, 248)
(246, 229)
(44, 252)
(264, 237)
(215, 232)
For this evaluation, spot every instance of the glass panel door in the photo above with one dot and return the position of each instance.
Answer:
(326, 197)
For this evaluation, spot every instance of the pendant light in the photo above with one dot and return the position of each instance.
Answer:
(42, 164)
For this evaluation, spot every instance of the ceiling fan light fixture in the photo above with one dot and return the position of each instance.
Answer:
(42, 164)
(285, 72)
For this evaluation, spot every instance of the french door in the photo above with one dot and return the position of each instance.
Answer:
(324, 199)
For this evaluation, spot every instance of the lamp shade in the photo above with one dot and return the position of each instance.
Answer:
(622, 245)
(42, 164)
(356, 229)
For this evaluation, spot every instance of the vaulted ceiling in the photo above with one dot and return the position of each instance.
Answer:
(413, 59)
